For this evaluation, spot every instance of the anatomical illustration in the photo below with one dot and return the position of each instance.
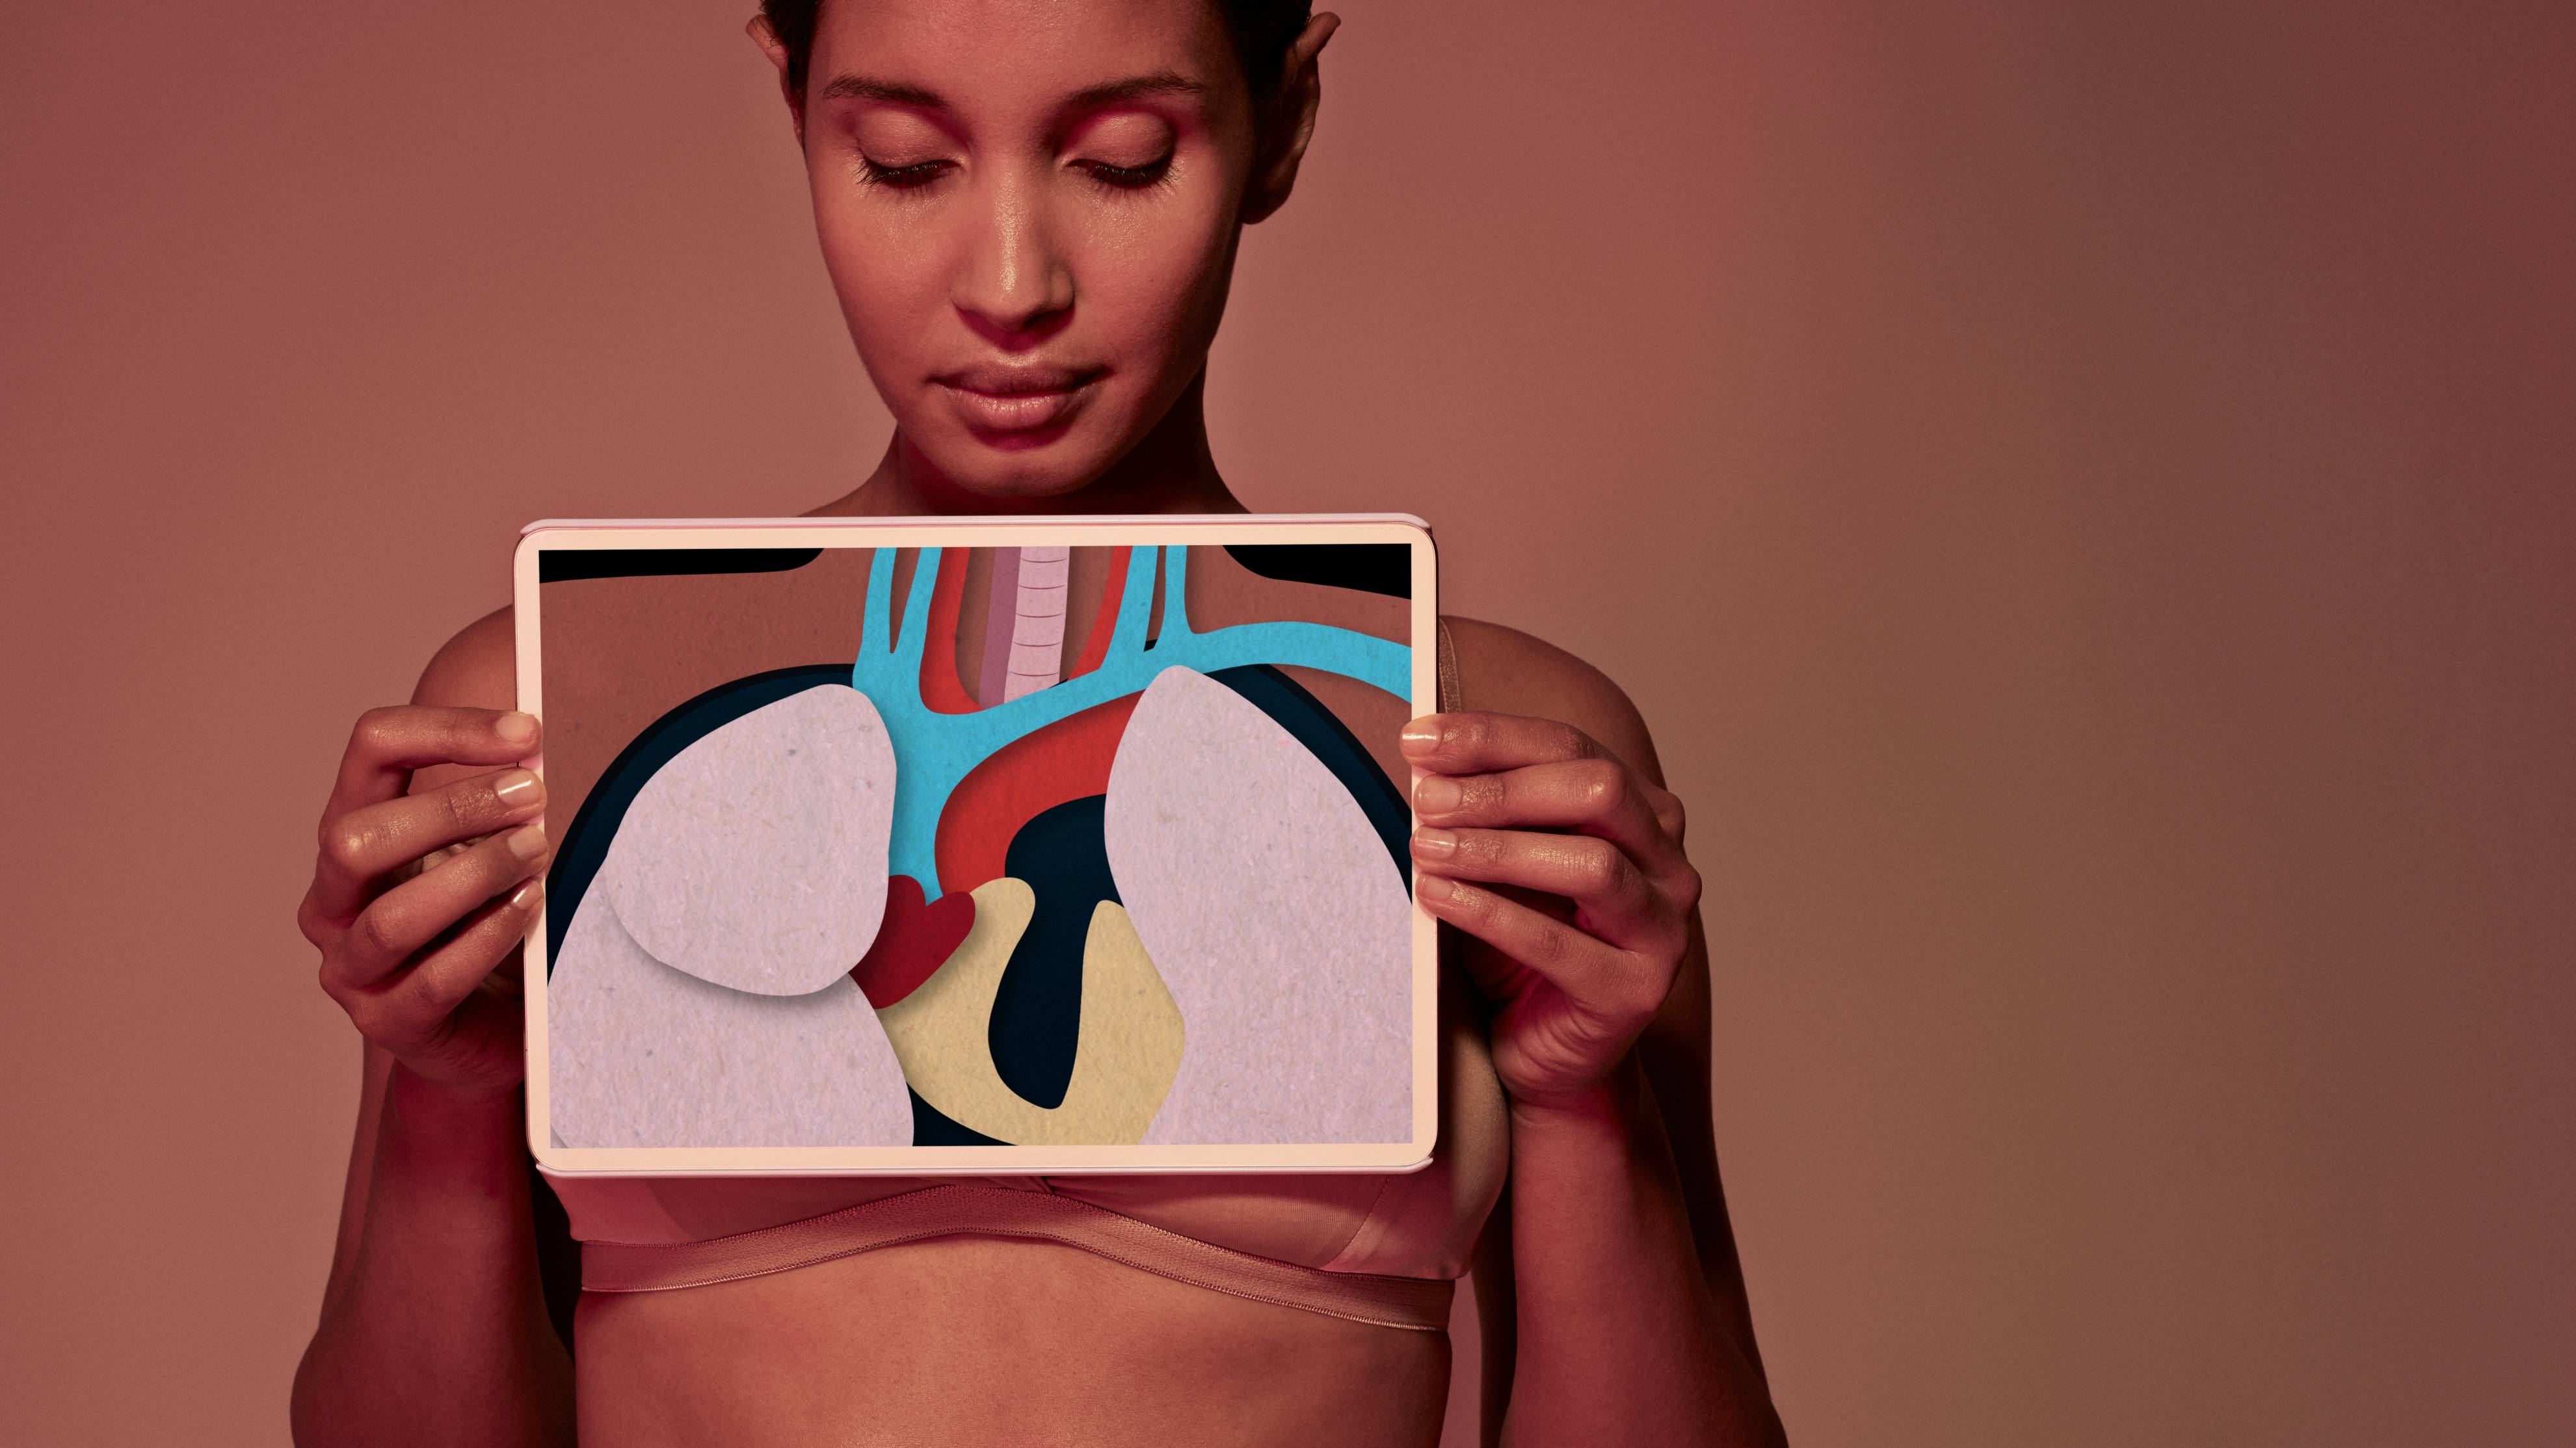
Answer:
(1140, 887)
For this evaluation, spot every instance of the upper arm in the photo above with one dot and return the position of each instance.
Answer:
(475, 669)
(1505, 671)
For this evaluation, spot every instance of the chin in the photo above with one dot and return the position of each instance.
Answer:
(1020, 467)
(1049, 470)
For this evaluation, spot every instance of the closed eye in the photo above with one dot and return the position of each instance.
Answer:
(902, 178)
(1128, 178)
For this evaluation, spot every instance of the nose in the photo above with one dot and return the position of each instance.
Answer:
(1015, 287)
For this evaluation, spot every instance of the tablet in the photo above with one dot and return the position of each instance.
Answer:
(945, 846)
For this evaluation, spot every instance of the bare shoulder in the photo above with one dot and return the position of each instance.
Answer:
(1505, 671)
(478, 668)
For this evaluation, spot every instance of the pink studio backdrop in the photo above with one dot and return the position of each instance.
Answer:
(2081, 491)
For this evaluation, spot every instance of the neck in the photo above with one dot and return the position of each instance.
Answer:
(1169, 470)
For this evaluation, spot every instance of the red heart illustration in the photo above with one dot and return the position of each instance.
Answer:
(915, 938)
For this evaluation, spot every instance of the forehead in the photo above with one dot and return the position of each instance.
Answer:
(1003, 55)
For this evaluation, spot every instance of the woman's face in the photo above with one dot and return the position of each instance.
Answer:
(1029, 210)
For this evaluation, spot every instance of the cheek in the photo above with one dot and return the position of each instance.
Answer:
(892, 284)
(1156, 282)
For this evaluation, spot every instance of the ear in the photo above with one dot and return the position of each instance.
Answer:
(776, 49)
(1285, 122)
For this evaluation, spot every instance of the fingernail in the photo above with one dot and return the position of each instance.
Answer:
(515, 727)
(1433, 887)
(1433, 844)
(528, 841)
(1420, 737)
(1436, 795)
(525, 897)
(518, 789)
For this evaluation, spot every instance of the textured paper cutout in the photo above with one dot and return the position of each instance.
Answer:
(938, 750)
(1132, 1034)
(756, 858)
(1330, 741)
(1262, 893)
(1025, 778)
(941, 688)
(1037, 1014)
(1385, 568)
(1037, 623)
(612, 792)
(1005, 588)
(640, 1054)
(1104, 624)
(913, 940)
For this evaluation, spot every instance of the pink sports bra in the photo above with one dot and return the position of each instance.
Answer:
(1382, 1249)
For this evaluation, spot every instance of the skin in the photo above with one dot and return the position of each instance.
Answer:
(1029, 210)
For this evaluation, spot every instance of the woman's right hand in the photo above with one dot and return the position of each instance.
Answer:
(425, 961)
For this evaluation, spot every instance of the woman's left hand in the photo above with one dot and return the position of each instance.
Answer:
(1547, 814)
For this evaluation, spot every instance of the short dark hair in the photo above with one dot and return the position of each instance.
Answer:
(1262, 30)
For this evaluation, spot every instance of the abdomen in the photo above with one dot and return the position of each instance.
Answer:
(972, 1341)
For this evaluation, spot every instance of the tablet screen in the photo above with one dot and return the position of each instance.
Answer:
(937, 846)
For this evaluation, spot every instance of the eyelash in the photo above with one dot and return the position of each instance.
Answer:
(1130, 178)
(1114, 178)
(901, 178)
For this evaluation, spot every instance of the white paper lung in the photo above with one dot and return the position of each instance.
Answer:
(639, 1054)
(756, 858)
(1268, 903)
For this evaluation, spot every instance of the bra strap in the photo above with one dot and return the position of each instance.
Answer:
(1418, 1304)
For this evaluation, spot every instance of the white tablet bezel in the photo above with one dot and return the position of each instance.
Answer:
(550, 535)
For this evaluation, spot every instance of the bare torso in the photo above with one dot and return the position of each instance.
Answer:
(971, 1340)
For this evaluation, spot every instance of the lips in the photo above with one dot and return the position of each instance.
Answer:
(1018, 406)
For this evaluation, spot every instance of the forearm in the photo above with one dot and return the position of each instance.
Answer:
(439, 1334)
(1620, 1338)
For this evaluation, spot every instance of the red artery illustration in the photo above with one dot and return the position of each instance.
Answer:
(1068, 759)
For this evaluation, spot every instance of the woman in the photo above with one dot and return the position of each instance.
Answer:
(1030, 214)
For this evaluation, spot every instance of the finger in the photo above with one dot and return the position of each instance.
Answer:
(389, 743)
(409, 1012)
(1587, 969)
(1480, 743)
(399, 922)
(1616, 901)
(1596, 796)
(488, 946)
(360, 847)
(1668, 811)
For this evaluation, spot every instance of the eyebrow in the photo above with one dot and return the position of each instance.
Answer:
(1160, 83)
(869, 88)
